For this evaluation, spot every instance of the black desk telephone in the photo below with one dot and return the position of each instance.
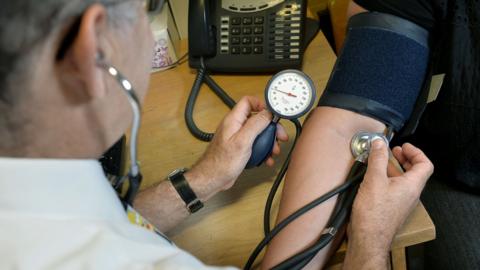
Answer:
(246, 35)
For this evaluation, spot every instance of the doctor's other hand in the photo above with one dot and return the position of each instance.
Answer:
(384, 200)
(231, 147)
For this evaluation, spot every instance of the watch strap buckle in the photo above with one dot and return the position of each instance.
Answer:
(194, 205)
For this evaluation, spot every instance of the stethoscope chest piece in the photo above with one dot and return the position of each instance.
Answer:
(361, 143)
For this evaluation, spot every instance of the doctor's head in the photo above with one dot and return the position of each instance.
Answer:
(55, 101)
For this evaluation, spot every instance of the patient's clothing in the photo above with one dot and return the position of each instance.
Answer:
(457, 226)
(449, 131)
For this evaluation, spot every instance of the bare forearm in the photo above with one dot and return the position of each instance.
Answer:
(216, 170)
(162, 205)
(366, 258)
(320, 163)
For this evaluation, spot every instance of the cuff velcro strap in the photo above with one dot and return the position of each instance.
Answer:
(365, 107)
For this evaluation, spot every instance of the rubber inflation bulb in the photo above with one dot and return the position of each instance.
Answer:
(262, 146)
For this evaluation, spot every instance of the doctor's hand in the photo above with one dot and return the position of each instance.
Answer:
(231, 147)
(384, 200)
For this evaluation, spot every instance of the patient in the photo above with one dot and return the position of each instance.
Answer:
(376, 217)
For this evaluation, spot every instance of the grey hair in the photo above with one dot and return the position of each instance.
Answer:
(24, 24)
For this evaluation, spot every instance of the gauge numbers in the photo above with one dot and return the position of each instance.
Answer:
(290, 94)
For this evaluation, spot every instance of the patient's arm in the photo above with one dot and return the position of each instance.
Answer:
(320, 162)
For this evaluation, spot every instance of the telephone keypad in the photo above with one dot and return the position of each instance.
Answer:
(246, 40)
(257, 40)
(258, 30)
(236, 21)
(246, 50)
(258, 20)
(253, 36)
(235, 31)
(235, 40)
(235, 50)
(248, 32)
(247, 20)
(257, 50)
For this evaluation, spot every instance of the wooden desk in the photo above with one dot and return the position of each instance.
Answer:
(230, 225)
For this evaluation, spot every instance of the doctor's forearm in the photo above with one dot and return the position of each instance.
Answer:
(162, 206)
(320, 162)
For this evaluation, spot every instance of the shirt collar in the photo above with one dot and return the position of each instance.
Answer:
(57, 188)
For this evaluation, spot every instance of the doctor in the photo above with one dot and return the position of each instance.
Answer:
(60, 110)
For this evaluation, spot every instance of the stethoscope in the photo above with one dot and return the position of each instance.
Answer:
(134, 176)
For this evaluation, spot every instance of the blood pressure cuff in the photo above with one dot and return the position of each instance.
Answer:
(381, 69)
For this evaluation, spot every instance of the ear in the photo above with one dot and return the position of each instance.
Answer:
(81, 55)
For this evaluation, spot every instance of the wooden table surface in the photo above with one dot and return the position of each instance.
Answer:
(230, 225)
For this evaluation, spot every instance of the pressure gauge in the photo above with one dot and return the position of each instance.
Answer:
(290, 94)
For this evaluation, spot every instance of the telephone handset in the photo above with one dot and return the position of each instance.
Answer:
(246, 35)
(201, 30)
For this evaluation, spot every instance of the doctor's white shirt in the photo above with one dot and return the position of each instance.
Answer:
(63, 214)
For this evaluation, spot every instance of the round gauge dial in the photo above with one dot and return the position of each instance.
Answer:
(290, 94)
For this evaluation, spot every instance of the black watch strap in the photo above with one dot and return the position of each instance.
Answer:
(185, 191)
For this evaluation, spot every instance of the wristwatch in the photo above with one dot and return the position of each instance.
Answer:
(184, 190)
